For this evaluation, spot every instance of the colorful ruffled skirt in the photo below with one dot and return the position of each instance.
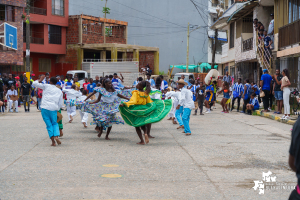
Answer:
(104, 114)
(140, 115)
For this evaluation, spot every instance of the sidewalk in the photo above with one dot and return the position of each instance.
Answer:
(269, 115)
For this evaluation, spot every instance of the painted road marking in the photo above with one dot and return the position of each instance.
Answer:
(110, 165)
(111, 175)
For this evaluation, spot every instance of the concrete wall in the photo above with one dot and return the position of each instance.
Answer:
(169, 37)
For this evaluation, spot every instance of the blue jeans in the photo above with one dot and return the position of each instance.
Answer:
(178, 115)
(186, 119)
(50, 118)
(39, 101)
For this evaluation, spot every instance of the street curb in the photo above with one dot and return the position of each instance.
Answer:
(270, 116)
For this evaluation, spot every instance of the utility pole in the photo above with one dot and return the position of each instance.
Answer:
(188, 48)
(104, 24)
(28, 41)
(188, 45)
(214, 49)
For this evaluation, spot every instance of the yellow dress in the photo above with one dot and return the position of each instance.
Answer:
(138, 98)
(141, 110)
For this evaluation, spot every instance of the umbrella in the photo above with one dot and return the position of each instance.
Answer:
(206, 65)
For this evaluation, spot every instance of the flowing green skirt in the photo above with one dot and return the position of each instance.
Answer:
(140, 115)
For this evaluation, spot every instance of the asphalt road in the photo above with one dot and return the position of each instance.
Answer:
(221, 160)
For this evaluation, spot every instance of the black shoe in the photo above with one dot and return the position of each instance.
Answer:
(25, 110)
(231, 110)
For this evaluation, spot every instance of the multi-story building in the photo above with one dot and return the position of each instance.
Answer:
(242, 55)
(48, 27)
(214, 8)
(11, 12)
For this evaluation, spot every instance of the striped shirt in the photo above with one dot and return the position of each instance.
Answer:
(238, 89)
(257, 89)
(254, 102)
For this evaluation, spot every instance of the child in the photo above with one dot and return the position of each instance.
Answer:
(209, 90)
(225, 90)
(200, 97)
(253, 104)
(84, 115)
(72, 94)
(91, 86)
(26, 91)
(141, 111)
(12, 93)
(194, 88)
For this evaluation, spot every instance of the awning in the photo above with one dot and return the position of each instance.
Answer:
(184, 66)
(221, 39)
(222, 21)
(242, 11)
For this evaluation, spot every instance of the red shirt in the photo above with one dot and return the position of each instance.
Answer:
(85, 86)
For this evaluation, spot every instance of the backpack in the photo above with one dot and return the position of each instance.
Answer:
(39, 93)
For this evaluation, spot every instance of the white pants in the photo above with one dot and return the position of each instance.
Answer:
(286, 100)
(10, 103)
(84, 116)
(173, 110)
(71, 110)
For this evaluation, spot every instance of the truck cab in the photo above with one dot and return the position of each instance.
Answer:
(80, 74)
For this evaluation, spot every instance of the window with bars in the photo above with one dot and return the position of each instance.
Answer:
(58, 7)
(231, 39)
(294, 10)
(44, 65)
(7, 13)
(54, 33)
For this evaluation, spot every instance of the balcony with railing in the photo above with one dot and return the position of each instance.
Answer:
(38, 11)
(289, 34)
(248, 44)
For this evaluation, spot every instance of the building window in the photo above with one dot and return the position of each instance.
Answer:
(231, 40)
(54, 33)
(58, 7)
(44, 65)
(294, 10)
(7, 13)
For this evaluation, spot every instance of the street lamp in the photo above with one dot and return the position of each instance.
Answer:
(188, 44)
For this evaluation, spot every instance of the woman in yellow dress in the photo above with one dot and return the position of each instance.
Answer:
(141, 111)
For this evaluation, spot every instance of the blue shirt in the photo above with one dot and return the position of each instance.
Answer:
(152, 82)
(267, 40)
(193, 89)
(210, 87)
(91, 87)
(238, 89)
(257, 89)
(68, 85)
(247, 92)
(135, 83)
(117, 83)
(254, 102)
(267, 81)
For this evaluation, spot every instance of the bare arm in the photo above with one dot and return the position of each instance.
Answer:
(90, 95)
(123, 97)
(99, 98)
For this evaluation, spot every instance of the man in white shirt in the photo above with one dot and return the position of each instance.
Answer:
(12, 93)
(271, 30)
(72, 94)
(187, 102)
(175, 96)
(52, 101)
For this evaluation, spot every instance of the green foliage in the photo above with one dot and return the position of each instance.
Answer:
(108, 31)
(161, 73)
(106, 10)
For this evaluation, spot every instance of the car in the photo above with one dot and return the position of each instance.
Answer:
(80, 74)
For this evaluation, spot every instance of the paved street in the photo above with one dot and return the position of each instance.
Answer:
(221, 160)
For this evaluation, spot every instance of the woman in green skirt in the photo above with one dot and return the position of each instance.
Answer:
(141, 111)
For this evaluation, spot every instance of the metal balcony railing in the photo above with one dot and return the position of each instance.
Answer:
(38, 11)
(34, 40)
(248, 44)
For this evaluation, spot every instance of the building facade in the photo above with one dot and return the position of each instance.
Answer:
(11, 12)
(48, 28)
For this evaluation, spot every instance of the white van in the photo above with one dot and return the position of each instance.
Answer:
(186, 76)
(80, 74)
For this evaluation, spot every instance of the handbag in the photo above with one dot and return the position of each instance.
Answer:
(262, 94)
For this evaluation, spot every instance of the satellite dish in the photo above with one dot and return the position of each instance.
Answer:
(211, 76)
